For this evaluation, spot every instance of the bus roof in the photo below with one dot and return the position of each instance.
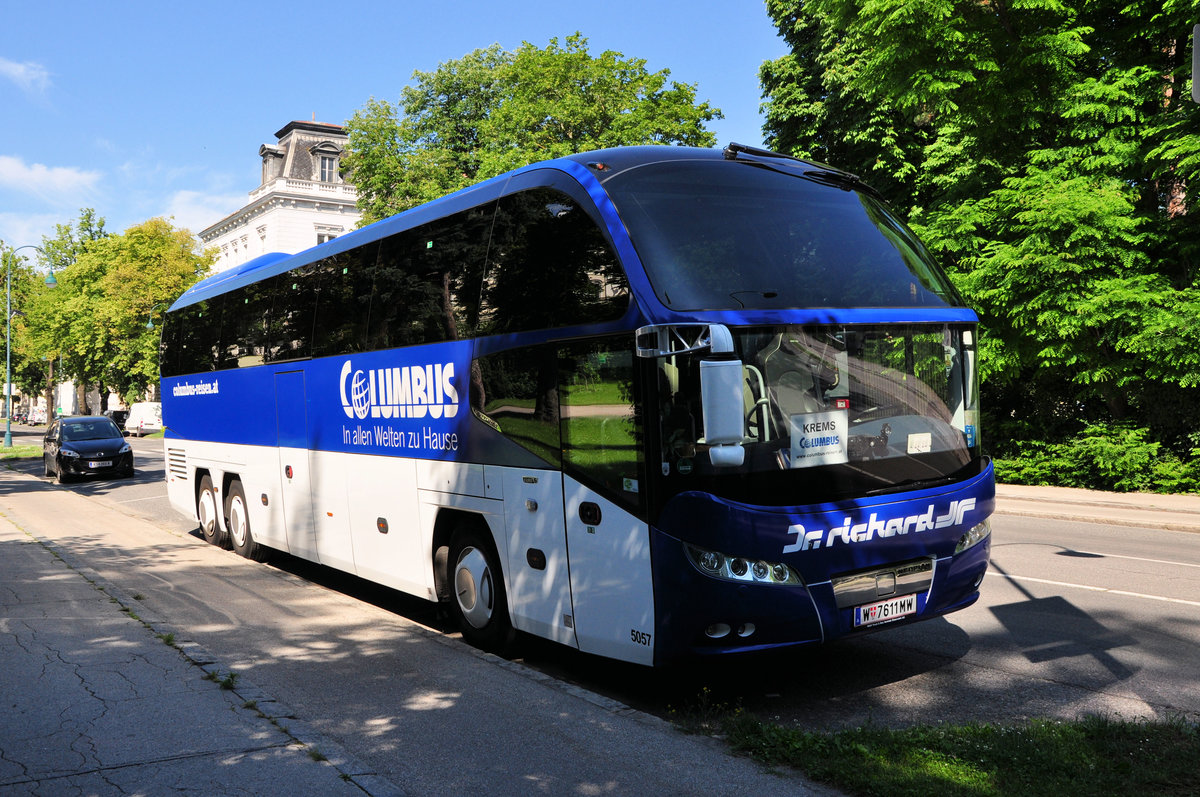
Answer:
(599, 173)
(610, 162)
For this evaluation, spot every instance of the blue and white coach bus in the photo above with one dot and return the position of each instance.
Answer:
(650, 403)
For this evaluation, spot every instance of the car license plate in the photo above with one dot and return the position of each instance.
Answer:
(100, 463)
(890, 609)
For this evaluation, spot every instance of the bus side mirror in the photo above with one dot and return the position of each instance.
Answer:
(721, 397)
(721, 393)
(1195, 63)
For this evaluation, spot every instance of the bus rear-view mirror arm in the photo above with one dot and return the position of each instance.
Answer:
(721, 395)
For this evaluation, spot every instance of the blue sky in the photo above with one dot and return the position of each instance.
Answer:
(143, 109)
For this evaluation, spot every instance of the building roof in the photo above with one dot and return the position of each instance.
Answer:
(312, 127)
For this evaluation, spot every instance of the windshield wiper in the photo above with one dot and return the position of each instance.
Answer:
(911, 484)
(733, 149)
(821, 172)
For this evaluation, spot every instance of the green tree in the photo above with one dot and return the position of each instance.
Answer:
(25, 282)
(96, 318)
(35, 352)
(1044, 151)
(494, 110)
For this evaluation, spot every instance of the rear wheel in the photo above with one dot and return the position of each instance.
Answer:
(206, 512)
(237, 517)
(479, 601)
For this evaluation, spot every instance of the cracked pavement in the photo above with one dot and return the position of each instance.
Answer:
(92, 701)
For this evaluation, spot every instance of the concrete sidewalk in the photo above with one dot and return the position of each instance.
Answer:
(1148, 510)
(93, 702)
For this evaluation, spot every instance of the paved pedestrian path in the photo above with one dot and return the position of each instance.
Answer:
(1150, 510)
(93, 702)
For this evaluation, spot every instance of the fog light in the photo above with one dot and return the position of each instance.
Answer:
(717, 630)
(746, 629)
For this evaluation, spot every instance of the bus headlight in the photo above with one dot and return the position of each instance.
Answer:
(740, 569)
(978, 533)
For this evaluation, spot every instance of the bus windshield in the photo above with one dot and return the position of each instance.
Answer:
(712, 237)
(832, 412)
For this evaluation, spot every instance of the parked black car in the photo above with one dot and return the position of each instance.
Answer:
(86, 445)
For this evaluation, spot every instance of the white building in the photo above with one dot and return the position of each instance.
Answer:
(301, 202)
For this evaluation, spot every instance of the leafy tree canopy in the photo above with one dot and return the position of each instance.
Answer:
(494, 110)
(109, 287)
(1044, 150)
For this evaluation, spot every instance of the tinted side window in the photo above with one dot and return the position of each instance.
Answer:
(549, 265)
(290, 326)
(517, 394)
(601, 420)
(427, 282)
(244, 331)
(191, 339)
(344, 305)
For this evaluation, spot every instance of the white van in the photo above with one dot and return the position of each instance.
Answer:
(145, 417)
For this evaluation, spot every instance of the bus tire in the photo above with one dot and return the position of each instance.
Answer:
(207, 514)
(479, 601)
(237, 515)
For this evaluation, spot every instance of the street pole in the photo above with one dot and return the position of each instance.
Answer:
(12, 255)
(8, 352)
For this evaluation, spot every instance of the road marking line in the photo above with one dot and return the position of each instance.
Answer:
(1100, 589)
(1140, 559)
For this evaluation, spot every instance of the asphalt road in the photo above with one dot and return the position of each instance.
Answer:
(1074, 618)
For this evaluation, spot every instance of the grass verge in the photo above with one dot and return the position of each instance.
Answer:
(21, 452)
(1093, 755)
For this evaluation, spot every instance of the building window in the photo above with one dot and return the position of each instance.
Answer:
(329, 169)
(322, 237)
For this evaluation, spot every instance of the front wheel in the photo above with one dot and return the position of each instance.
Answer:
(237, 517)
(479, 601)
(206, 513)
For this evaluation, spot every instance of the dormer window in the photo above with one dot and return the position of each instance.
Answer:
(329, 169)
(326, 157)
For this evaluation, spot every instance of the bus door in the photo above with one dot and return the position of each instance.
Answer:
(294, 478)
(611, 581)
(538, 581)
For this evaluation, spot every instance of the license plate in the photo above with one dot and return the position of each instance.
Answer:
(100, 463)
(883, 611)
